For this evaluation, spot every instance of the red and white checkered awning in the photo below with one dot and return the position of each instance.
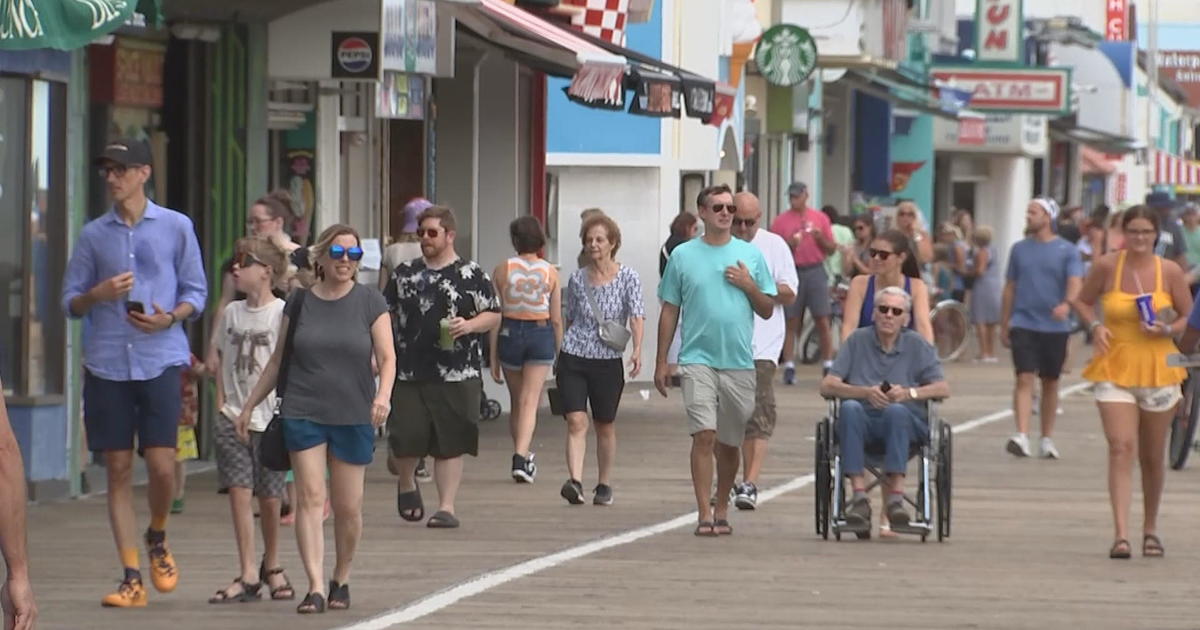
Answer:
(602, 18)
(1173, 170)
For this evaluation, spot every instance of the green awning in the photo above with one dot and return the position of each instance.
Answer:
(67, 24)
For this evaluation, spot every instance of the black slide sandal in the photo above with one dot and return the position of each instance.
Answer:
(409, 505)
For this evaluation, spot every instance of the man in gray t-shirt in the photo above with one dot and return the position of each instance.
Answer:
(883, 374)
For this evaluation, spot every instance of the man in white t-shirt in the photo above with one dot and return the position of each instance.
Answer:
(767, 343)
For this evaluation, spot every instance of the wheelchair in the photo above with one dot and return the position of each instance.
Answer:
(934, 470)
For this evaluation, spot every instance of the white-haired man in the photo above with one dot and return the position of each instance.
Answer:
(883, 374)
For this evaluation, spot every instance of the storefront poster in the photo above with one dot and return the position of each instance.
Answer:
(400, 95)
(299, 168)
(409, 36)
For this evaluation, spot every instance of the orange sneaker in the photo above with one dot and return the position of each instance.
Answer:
(163, 571)
(130, 594)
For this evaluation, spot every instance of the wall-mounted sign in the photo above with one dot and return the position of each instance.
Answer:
(408, 36)
(786, 55)
(400, 95)
(355, 55)
(1031, 90)
(1184, 67)
(1116, 20)
(129, 72)
(1002, 134)
(657, 95)
(999, 36)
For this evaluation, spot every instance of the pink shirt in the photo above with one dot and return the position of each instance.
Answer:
(806, 252)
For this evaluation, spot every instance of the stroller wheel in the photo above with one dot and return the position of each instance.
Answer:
(490, 409)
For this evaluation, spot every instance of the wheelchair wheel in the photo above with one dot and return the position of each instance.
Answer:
(490, 409)
(945, 468)
(950, 326)
(823, 479)
(1183, 427)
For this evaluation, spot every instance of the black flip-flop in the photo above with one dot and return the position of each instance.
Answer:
(442, 520)
(1152, 546)
(339, 596)
(313, 603)
(409, 505)
(705, 525)
(1120, 550)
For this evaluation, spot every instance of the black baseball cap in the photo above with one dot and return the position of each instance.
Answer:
(126, 152)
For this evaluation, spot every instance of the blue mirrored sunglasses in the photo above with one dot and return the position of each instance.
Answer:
(337, 251)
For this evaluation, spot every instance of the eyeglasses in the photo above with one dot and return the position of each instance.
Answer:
(428, 232)
(336, 252)
(245, 259)
(116, 169)
(881, 254)
(890, 310)
(723, 207)
(744, 222)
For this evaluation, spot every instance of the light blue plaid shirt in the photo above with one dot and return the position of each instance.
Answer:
(162, 252)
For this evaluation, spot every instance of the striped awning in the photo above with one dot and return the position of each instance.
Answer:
(1173, 170)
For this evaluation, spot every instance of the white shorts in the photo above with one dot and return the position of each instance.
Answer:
(1152, 399)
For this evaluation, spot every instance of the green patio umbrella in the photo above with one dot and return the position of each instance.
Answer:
(67, 24)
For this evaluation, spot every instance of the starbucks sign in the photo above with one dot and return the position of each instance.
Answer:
(786, 54)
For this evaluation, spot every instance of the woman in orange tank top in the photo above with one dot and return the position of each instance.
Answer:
(1135, 389)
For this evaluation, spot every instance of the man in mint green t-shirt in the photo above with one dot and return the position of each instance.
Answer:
(720, 283)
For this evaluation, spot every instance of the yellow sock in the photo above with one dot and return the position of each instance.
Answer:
(129, 558)
(158, 523)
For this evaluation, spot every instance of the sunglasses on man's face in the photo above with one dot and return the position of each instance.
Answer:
(336, 252)
(890, 310)
(723, 207)
(428, 232)
(881, 254)
(744, 222)
(245, 259)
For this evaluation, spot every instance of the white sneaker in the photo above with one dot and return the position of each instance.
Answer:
(1048, 449)
(1018, 445)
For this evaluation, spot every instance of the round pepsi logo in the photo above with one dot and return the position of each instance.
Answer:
(354, 54)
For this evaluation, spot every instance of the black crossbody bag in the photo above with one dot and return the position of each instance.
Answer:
(272, 451)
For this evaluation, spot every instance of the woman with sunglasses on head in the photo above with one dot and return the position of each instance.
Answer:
(892, 265)
(331, 404)
(908, 221)
(859, 262)
(245, 341)
(1144, 303)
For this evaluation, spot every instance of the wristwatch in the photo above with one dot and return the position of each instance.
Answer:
(174, 320)
(912, 393)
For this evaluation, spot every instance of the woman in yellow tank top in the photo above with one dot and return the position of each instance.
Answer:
(1135, 390)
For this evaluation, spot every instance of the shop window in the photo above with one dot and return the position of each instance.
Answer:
(33, 222)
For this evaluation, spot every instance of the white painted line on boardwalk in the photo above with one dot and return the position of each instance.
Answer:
(492, 579)
(971, 425)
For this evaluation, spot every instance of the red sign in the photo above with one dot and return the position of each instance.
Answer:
(1122, 187)
(1184, 67)
(998, 28)
(1116, 21)
(128, 72)
(972, 131)
(1031, 90)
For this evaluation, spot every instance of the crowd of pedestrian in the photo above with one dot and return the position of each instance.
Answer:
(293, 324)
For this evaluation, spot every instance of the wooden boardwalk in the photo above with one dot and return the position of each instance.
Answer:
(1029, 548)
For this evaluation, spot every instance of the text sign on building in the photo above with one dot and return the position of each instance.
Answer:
(999, 32)
(1029, 90)
(408, 36)
(1116, 20)
(1184, 67)
(354, 55)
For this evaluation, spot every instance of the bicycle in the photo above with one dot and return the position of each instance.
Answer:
(1183, 425)
(810, 341)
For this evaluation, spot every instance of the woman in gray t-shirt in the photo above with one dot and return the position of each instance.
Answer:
(331, 404)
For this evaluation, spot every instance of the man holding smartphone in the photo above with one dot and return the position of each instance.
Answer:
(128, 268)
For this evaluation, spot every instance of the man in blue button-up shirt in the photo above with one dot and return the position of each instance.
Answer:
(135, 274)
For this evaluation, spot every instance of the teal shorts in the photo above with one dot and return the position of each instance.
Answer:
(350, 443)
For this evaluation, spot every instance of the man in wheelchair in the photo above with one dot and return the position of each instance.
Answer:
(883, 375)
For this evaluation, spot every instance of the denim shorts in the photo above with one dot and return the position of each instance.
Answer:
(350, 443)
(524, 341)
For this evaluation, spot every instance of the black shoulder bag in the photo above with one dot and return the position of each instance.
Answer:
(272, 451)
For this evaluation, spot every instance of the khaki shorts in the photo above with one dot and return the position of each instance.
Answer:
(1152, 399)
(762, 421)
(718, 400)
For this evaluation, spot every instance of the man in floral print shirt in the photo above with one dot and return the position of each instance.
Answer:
(442, 307)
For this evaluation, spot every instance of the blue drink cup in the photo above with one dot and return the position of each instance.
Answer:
(1145, 307)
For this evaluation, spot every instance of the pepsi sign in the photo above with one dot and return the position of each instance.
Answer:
(355, 55)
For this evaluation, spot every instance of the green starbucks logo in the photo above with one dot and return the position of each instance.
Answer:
(786, 54)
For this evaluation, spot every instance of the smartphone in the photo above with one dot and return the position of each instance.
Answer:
(885, 386)
(135, 307)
